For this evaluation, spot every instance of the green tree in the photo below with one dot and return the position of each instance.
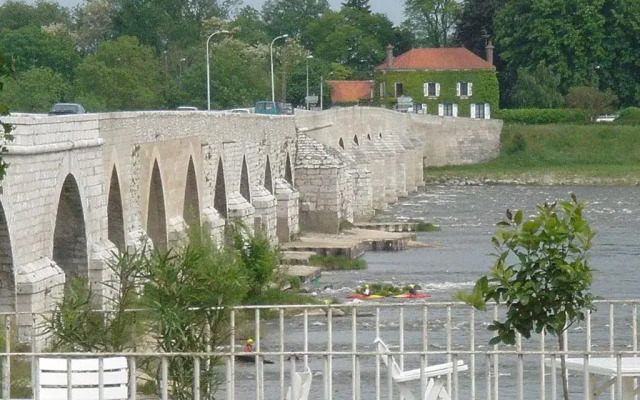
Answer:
(122, 75)
(17, 14)
(568, 36)
(239, 76)
(93, 24)
(475, 26)
(6, 69)
(35, 90)
(620, 69)
(593, 101)
(251, 28)
(360, 5)
(537, 88)
(189, 294)
(540, 274)
(161, 23)
(32, 47)
(433, 21)
(291, 16)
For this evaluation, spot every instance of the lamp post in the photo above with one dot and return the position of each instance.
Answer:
(273, 93)
(208, 73)
(306, 99)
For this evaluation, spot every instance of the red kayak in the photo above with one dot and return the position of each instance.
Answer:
(412, 296)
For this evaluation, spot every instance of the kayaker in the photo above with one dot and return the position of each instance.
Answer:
(366, 290)
(412, 289)
(248, 347)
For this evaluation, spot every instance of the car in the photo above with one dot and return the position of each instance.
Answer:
(240, 111)
(66, 108)
(187, 108)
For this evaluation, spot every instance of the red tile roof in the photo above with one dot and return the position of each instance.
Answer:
(350, 91)
(438, 59)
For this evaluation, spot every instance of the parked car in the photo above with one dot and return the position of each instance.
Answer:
(187, 108)
(66, 108)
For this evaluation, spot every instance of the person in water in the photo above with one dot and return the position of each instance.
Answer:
(412, 289)
(248, 347)
(366, 290)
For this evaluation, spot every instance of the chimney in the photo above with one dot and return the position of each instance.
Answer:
(489, 49)
(389, 56)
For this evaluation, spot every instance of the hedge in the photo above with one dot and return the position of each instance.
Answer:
(533, 116)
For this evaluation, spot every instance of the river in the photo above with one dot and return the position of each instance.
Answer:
(456, 257)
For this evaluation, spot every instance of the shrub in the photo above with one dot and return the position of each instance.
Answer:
(534, 116)
(591, 100)
(331, 263)
(629, 115)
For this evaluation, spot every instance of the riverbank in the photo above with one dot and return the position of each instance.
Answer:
(554, 155)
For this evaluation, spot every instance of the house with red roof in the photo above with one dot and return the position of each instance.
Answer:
(350, 92)
(448, 82)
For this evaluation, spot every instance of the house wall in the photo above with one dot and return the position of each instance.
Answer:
(485, 88)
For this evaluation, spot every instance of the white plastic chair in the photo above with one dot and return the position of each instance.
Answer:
(434, 374)
(300, 383)
(88, 381)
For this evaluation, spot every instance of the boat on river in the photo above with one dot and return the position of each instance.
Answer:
(412, 296)
(364, 297)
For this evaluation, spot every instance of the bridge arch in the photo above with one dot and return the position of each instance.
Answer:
(69, 236)
(115, 214)
(220, 195)
(245, 190)
(268, 180)
(156, 214)
(7, 276)
(191, 208)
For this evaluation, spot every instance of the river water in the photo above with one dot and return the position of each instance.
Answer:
(455, 258)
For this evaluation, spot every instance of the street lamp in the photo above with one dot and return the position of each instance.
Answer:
(306, 99)
(273, 93)
(208, 73)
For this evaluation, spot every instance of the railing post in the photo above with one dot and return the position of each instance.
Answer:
(6, 360)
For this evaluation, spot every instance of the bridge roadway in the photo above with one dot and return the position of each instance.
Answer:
(81, 187)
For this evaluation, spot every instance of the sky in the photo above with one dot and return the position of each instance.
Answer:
(393, 8)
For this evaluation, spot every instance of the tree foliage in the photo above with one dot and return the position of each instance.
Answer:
(34, 47)
(122, 75)
(433, 21)
(35, 90)
(593, 101)
(540, 273)
(291, 16)
(568, 36)
(18, 14)
(6, 69)
(538, 87)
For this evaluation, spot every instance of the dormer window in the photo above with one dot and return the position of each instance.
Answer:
(431, 89)
(464, 89)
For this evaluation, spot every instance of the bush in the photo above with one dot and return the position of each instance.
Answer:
(629, 116)
(534, 116)
(592, 101)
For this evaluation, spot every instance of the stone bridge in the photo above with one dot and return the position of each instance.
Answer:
(81, 187)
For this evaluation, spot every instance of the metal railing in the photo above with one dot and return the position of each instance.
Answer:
(337, 343)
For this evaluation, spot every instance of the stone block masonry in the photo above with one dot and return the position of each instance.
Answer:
(82, 187)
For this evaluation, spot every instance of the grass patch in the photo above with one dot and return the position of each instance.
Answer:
(425, 226)
(564, 151)
(334, 263)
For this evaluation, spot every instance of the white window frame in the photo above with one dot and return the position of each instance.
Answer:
(425, 89)
(382, 89)
(454, 109)
(469, 90)
(486, 108)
